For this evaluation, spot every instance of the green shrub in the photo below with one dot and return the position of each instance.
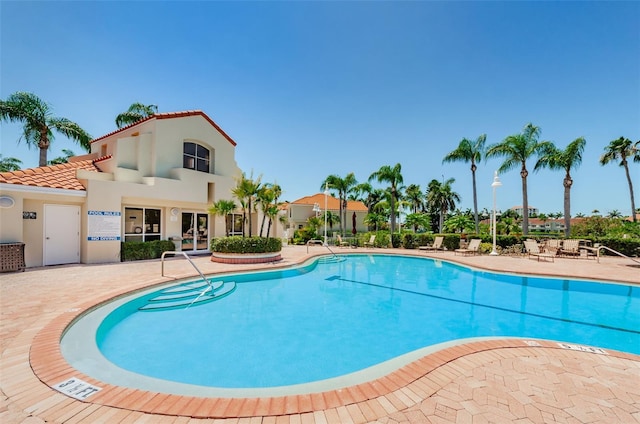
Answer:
(451, 241)
(409, 241)
(303, 235)
(139, 250)
(626, 246)
(237, 244)
(395, 240)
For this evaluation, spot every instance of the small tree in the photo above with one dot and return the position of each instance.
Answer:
(223, 208)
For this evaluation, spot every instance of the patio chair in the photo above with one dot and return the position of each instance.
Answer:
(371, 242)
(472, 249)
(436, 246)
(532, 248)
(570, 247)
(341, 243)
(552, 245)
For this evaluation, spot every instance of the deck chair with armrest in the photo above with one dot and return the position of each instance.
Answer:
(436, 246)
(371, 242)
(570, 247)
(472, 249)
(340, 242)
(532, 248)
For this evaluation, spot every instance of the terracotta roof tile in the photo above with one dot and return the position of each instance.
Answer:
(170, 115)
(332, 202)
(55, 176)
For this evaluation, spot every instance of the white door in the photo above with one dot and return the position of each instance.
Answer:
(61, 234)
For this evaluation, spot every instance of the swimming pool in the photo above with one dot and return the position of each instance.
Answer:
(336, 321)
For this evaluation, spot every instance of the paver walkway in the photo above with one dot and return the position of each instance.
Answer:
(498, 381)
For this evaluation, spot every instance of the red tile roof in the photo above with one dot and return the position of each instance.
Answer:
(332, 202)
(171, 115)
(55, 176)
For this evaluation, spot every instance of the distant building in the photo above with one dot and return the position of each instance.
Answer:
(299, 211)
(520, 209)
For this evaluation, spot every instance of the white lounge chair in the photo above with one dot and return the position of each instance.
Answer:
(341, 243)
(471, 249)
(437, 245)
(371, 242)
(532, 248)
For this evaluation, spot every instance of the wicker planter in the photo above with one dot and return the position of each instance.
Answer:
(245, 258)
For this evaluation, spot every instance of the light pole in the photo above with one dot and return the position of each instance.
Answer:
(326, 193)
(496, 183)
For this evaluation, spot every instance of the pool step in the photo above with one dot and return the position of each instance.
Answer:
(331, 259)
(175, 298)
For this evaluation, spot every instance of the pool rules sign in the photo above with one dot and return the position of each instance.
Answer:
(104, 225)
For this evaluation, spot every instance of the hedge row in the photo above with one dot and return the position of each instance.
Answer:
(138, 250)
(237, 244)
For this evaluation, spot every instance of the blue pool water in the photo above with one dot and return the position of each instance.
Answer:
(329, 319)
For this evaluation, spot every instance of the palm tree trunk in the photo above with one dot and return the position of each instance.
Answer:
(568, 182)
(393, 214)
(475, 199)
(43, 145)
(633, 203)
(525, 202)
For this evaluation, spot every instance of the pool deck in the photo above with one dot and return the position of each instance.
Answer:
(498, 381)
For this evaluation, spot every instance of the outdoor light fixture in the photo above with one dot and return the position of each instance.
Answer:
(326, 193)
(496, 183)
(316, 208)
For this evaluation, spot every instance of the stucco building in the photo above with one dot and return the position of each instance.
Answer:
(151, 180)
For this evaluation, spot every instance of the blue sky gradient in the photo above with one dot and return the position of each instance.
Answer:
(309, 89)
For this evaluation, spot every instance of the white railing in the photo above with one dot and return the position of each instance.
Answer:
(599, 248)
(173, 252)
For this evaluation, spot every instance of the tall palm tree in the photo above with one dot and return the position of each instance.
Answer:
(9, 164)
(623, 149)
(413, 195)
(267, 198)
(223, 208)
(393, 176)
(35, 114)
(135, 113)
(442, 198)
(516, 150)
(344, 186)
(567, 159)
(470, 151)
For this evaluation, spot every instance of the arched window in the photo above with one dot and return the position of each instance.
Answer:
(196, 157)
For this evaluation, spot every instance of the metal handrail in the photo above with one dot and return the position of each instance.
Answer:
(173, 252)
(614, 251)
(324, 244)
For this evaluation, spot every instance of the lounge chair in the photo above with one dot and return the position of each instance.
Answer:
(471, 249)
(371, 242)
(570, 247)
(437, 245)
(552, 245)
(342, 243)
(532, 248)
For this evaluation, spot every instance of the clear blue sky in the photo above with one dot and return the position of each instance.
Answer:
(309, 89)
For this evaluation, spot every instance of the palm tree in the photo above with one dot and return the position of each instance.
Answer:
(517, 149)
(62, 159)
(9, 164)
(470, 151)
(223, 208)
(615, 214)
(393, 176)
(39, 125)
(567, 159)
(267, 198)
(441, 198)
(135, 113)
(413, 195)
(623, 149)
(246, 192)
(344, 186)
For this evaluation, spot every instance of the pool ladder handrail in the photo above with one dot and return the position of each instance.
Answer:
(175, 252)
(599, 248)
(324, 244)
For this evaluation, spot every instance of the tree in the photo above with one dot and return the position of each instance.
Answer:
(459, 223)
(344, 186)
(9, 164)
(393, 176)
(418, 220)
(246, 191)
(135, 113)
(62, 159)
(472, 152)
(223, 208)
(615, 214)
(442, 198)
(38, 124)
(413, 195)
(567, 159)
(623, 149)
(516, 150)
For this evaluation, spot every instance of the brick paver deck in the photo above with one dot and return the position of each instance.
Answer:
(501, 381)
